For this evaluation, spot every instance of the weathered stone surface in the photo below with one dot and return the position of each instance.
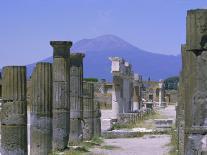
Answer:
(61, 99)
(41, 110)
(12, 90)
(196, 30)
(192, 88)
(97, 119)
(76, 101)
(88, 110)
(14, 111)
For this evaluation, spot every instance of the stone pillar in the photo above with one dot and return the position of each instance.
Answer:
(180, 115)
(117, 70)
(195, 83)
(61, 99)
(97, 119)
(0, 86)
(136, 93)
(14, 111)
(41, 110)
(127, 87)
(161, 97)
(88, 111)
(76, 101)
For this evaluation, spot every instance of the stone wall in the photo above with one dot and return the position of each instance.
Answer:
(131, 118)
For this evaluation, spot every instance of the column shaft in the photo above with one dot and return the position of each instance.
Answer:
(14, 111)
(41, 110)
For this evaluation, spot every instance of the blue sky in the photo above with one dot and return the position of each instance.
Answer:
(27, 26)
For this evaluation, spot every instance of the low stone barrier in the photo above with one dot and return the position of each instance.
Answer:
(128, 118)
(163, 123)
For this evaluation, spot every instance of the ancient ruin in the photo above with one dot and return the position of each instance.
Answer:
(14, 111)
(41, 110)
(61, 98)
(76, 100)
(88, 110)
(191, 110)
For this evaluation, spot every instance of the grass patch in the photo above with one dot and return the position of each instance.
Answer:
(73, 152)
(141, 123)
(109, 147)
(96, 141)
(173, 142)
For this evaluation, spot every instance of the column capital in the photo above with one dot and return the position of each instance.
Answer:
(61, 48)
(76, 59)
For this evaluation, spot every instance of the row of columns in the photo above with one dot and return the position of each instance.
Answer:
(126, 93)
(191, 109)
(62, 105)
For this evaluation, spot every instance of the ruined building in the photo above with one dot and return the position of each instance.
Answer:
(126, 91)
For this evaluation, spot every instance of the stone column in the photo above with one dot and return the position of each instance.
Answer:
(117, 70)
(195, 85)
(160, 93)
(88, 111)
(97, 119)
(41, 110)
(136, 93)
(61, 98)
(180, 115)
(14, 111)
(127, 87)
(76, 101)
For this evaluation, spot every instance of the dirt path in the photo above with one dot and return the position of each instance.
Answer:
(147, 145)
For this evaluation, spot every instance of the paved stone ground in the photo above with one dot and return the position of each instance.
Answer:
(147, 145)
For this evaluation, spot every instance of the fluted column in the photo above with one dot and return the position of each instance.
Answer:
(76, 101)
(41, 110)
(97, 119)
(14, 111)
(88, 105)
(61, 99)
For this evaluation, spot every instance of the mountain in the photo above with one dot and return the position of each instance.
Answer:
(99, 49)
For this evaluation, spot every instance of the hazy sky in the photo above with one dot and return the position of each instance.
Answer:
(27, 26)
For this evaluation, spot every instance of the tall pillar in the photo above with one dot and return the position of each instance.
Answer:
(41, 110)
(61, 98)
(195, 85)
(127, 87)
(97, 119)
(136, 93)
(88, 111)
(76, 101)
(161, 97)
(117, 70)
(14, 111)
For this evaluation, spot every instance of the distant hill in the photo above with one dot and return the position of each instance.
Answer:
(97, 64)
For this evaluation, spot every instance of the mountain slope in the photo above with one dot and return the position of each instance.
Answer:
(97, 64)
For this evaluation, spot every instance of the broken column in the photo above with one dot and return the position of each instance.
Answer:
(14, 111)
(127, 87)
(41, 110)
(161, 95)
(136, 90)
(61, 99)
(117, 68)
(88, 110)
(76, 101)
(97, 119)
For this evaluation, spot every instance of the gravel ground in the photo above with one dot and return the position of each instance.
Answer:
(147, 145)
